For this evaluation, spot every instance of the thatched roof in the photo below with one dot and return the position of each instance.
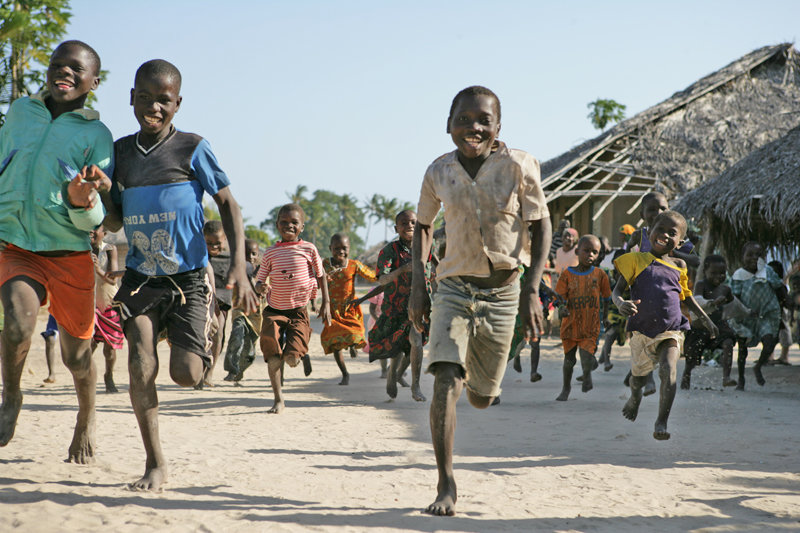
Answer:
(756, 199)
(692, 136)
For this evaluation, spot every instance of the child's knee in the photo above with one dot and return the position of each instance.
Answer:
(478, 401)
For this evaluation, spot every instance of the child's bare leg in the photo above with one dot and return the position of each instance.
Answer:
(275, 369)
(517, 364)
(569, 364)
(337, 356)
(50, 357)
(110, 355)
(649, 385)
(216, 348)
(768, 343)
(535, 375)
(384, 368)
(631, 408)
(668, 355)
(401, 370)
(693, 351)
(609, 339)
(391, 379)
(416, 364)
(447, 387)
(727, 362)
(587, 365)
(21, 298)
(741, 361)
(143, 369)
(77, 356)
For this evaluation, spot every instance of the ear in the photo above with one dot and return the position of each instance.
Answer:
(447, 129)
(681, 242)
(131, 97)
(178, 103)
(95, 83)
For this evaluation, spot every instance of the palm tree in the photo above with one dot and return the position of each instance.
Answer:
(388, 210)
(373, 208)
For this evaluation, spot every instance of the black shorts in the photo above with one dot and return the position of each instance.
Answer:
(182, 304)
(699, 339)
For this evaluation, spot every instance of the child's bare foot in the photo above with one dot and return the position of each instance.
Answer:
(517, 364)
(384, 373)
(416, 393)
(650, 386)
(579, 379)
(608, 366)
(445, 504)
(686, 381)
(391, 387)
(49, 379)
(345, 379)
(207, 383)
(277, 408)
(152, 480)
(627, 380)
(9, 412)
(759, 377)
(402, 381)
(729, 382)
(587, 383)
(536, 377)
(564, 396)
(660, 432)
(631, 408)
(740, 385)
(81, 450)
(110, 386)
(353, 352)
(230, 377)
(306, 364)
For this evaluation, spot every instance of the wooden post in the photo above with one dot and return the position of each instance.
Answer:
(706, 247)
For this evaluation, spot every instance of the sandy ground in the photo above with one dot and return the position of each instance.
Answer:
(343, 459)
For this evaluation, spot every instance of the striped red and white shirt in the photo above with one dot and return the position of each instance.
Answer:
(293, 268)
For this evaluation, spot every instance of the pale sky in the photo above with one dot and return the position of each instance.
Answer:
(353, 96)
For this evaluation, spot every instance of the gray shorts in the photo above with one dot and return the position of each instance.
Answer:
(473, 328)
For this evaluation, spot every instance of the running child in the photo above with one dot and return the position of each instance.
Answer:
(159, 181)
(50, 336)
(393, 335)
(220, 261)
(107, 326)
(48, 205)
(295, 272)
(712, 295)
(658, 283)
(494, 209)
(585, 290)
(245, 328)
(346, 330)
(758, 287)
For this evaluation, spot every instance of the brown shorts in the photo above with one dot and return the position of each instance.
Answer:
(68, 280)
(587, 345)
(285, 333)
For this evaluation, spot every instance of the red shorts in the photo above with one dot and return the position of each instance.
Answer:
(68, 280)
(587, 345)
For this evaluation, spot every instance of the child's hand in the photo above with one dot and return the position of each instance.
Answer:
(94, 175)
(82, 193)
(246, 299)
(530, 311)
(563, 311)
(628, 307)
(718, 301)
(710, 326)
(325, 313)
(419, 307)
(261, 288)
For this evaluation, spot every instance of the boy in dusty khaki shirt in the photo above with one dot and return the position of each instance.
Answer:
(493, 204)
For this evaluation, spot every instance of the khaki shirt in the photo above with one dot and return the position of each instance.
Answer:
(487, 218)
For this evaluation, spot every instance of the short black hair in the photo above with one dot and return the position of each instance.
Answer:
(401, 213)
(586, 237)
(288, 208)
(250, 242)
(159, 68)
(81, 44)
(340, 237)
(652, 195)
(474, 90)
(751, 244)
(714, 259)
(212, 227)
(777, 266)
(674, 215)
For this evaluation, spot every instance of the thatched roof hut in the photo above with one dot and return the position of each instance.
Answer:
(691, 137)
(756, 199)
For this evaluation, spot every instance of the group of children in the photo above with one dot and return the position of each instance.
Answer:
(65, 181)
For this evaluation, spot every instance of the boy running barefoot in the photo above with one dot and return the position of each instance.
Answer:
(46, 213)
(295, 273)
(658, 284)
(494, 209)
(159, 182)
(583, 289)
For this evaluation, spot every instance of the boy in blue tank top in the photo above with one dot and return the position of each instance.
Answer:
(157, 195)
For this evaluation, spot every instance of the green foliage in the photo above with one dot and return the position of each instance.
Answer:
(210, 211)
(258, 235)
(605, 111)
(29, 31)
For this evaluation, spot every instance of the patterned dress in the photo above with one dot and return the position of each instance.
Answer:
(389, 336)
(757, 291)
(347, 323)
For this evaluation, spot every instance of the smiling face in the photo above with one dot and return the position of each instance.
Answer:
(71, 76)
(667, 234)
(340, 250)
(588, 250)
(474, 126)
(750, 257)
(567, 240)
(155, 100)
(652, 208)
(715, 273)
(290, 224)
(404, 225)
(215, 242)
(96, 236)
(251, 252)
